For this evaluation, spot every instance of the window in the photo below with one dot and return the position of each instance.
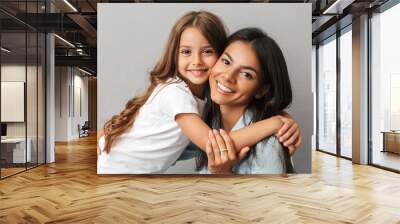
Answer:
(385, 88)
(346, 93)
(327, 96)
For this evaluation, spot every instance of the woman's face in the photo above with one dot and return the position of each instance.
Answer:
(235, 78)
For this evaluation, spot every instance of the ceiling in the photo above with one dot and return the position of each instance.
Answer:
(76, 22)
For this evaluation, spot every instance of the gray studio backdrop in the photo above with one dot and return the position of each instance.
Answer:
(131, 37)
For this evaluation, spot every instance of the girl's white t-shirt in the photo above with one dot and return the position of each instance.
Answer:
(155, 141)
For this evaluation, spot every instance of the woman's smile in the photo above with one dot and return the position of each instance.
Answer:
(221, 88)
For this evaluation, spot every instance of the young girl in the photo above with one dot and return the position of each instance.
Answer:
(153, 129)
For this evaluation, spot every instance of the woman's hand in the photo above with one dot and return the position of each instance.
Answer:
(221, 153)
(289, 134)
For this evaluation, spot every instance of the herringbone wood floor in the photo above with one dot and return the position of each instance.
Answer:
(70, 191)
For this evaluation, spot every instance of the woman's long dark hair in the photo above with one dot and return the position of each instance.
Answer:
(275, 79)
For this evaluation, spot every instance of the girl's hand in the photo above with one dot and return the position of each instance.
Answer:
(289, 134)
(99, 135)
(221, 152)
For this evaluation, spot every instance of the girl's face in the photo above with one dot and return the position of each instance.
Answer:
(195, 56)
(235, 78)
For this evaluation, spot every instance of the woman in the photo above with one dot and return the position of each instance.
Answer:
(249, 82)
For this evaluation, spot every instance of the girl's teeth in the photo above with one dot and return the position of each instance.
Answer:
(197, 72)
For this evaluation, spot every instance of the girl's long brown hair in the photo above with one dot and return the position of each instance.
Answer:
(211, 27)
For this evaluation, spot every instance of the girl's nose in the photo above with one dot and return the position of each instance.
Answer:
(197, 60)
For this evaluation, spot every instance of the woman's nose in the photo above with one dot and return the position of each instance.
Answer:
(229, 75)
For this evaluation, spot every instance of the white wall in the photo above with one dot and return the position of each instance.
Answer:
(61, 103)
(67, 117)
(80, 83)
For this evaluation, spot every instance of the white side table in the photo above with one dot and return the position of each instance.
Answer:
(19, 155)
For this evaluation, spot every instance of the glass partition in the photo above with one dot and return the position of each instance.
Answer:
(22, 77)
(13, 95)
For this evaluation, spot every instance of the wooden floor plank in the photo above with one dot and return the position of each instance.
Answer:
(70, 191)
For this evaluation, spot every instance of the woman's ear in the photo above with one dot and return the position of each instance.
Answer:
(261, 92)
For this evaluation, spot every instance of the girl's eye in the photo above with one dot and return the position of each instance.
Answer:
(226, 62)
(208, 52)
(246, 75)
(185, 52)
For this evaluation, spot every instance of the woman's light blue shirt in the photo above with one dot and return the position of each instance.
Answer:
(268, 157)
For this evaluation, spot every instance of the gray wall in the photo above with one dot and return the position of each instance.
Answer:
(131, 37)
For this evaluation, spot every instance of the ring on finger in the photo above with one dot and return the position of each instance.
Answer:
(223, 150)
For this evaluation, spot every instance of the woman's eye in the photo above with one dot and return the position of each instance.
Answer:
(246, 75)
(226, 62)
